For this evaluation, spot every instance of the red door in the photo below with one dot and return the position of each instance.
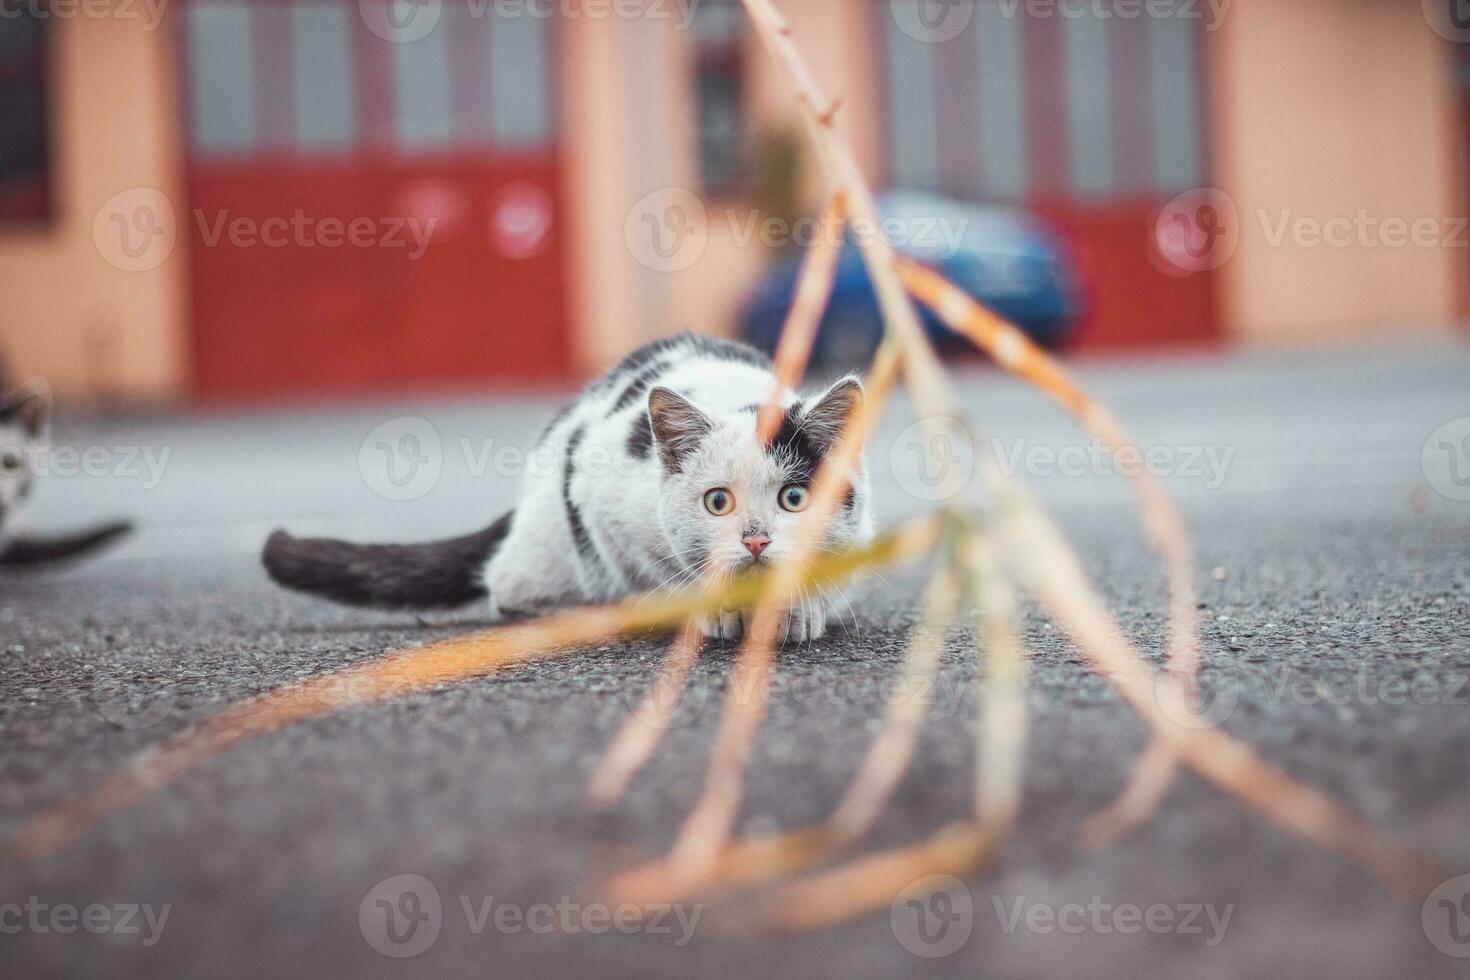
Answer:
(1094, 124)
(373, 197)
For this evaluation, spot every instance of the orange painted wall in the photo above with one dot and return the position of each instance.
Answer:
(1324, 110)
(628, 112)
(93, 329)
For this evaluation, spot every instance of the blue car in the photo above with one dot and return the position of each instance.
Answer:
(995, 255)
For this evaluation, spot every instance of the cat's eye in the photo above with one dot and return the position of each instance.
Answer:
(794, 498)
(719, 502)
(12, 463)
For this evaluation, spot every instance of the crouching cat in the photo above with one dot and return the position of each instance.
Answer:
(24, 416)
(656, 478)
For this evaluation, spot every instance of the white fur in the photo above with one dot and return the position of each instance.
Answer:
(23, 434)
(647, 523)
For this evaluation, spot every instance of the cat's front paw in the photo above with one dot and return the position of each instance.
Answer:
(803, 622)
(722, 626)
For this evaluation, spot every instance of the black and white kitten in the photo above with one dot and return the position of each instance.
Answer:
(24, 417)
(658, 477)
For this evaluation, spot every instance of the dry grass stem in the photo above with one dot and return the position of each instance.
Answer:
(799, 332)
(425, 667)
(1016, 353)
(640, 734)
(707, 828)
(1163, 701)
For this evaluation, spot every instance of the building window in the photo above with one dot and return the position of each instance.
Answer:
(1037, 109)
(719, 33)
(24, 161)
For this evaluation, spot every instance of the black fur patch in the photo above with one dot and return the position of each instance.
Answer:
(640, 437)
(714, 347)
(796, 447)
(574, 513)
(802, 453)
(31, 551)
(636, 388)
(436, 575)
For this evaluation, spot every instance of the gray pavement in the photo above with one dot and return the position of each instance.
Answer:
(1335, 596)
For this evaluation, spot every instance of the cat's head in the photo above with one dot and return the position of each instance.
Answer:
(23, 419)
(728, 501)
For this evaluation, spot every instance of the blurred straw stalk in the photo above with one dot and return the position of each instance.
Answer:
(986, 552)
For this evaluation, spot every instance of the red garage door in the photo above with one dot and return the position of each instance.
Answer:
(373, 196)
(1091, 121)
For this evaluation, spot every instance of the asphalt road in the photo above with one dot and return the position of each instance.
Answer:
(1336, 597)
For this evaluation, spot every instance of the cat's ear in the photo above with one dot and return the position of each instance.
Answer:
(678, 426)
(824, 421)
(29, 408)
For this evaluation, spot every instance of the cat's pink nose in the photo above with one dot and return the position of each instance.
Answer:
(755, 543)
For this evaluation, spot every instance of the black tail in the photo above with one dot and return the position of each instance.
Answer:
(435, 575)
(32, 552)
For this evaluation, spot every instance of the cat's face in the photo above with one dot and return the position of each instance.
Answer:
(23, 416)
(729, 502)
